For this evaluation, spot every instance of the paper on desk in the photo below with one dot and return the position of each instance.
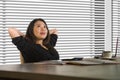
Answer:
(92, 62)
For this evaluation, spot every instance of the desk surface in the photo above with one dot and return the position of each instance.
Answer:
(36, 71)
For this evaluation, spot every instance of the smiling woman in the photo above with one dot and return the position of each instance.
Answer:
(38, 43)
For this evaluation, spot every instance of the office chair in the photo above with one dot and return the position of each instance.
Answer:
(21, 59)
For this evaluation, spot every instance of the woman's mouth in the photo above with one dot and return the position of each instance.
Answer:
(42, 33)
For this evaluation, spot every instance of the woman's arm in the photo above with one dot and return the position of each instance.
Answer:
(18, 39)
(53, 37)
(13, 32)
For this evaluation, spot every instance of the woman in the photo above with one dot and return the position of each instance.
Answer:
(38, 43)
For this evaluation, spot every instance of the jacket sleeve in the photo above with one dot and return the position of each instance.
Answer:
(21, 43)
(53, 39)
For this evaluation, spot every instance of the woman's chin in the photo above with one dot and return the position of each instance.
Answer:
(42, 38)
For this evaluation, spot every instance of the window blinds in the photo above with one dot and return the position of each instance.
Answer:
(80, 24)
(116, 25)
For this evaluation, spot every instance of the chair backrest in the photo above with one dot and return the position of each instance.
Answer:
(21, 59)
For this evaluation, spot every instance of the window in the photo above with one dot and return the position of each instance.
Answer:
(116, 26)
(80, 24)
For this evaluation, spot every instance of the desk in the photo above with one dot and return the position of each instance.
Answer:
(38, 71)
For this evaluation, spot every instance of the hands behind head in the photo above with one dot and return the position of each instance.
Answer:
(53, 31)
(13, 32)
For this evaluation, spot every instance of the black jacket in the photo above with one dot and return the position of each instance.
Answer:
(35, 52)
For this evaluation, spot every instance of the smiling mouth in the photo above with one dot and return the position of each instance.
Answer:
(42, 33)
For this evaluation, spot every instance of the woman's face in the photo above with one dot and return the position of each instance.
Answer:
(40, 30)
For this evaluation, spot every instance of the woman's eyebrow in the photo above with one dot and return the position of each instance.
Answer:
(37, 24)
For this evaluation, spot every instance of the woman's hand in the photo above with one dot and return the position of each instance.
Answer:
(53, 31)
(13, 32)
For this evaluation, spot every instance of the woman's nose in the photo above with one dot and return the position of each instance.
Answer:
(42, 28)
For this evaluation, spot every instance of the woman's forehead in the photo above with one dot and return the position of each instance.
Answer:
(39, 23)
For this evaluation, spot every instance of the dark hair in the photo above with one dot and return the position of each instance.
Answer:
(30, 35)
